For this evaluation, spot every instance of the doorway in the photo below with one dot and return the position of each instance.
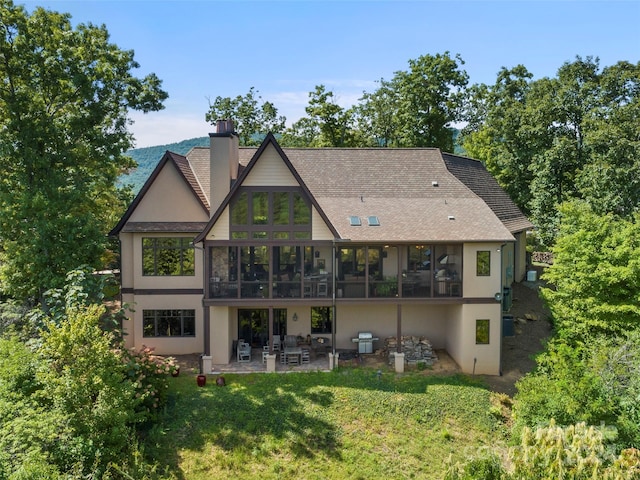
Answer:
(253, 325)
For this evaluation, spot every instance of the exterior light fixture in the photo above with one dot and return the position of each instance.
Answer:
(295, 317)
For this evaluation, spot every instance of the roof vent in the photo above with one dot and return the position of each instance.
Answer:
(451, 217)
(434, 183)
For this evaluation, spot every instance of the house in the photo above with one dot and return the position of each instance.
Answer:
(231, 243)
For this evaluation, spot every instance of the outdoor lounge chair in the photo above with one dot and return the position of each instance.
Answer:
(244, 352)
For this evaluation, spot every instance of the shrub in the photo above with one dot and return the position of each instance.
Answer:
(574, 452)
(149, 375)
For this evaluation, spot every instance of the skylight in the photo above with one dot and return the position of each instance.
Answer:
(374, 221)
(354, 221)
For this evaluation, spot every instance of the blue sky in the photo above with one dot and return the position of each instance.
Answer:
(204, 49)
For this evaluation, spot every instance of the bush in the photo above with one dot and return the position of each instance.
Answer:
(576, 452)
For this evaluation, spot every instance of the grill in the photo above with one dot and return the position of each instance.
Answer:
(365, 342)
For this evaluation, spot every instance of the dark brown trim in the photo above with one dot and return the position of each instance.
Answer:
(269, 140)
(164, 291)
(168, 156)
(317, 302)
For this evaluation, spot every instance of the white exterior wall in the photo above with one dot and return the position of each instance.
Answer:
(168, 345)
(520, 256)
(169, 200)
(461, 339)
(270, 170)
(224, 328)
(473, 285)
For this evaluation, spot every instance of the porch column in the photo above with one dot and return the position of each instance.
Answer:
(399, 329)
(271, 330)
(399, 354)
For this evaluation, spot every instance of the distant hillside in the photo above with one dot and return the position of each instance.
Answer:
(148, 158)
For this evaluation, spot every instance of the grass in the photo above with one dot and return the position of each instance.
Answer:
(343, 424)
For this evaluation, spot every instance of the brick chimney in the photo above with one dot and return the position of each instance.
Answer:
(224, 159)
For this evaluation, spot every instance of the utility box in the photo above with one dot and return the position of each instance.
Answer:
(507, 326)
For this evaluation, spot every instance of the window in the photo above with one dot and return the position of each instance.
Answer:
(169, 323)
(483, 263)
(321, 320)
(274, 213)
(482, 332)
(163, 256)
(419, 258)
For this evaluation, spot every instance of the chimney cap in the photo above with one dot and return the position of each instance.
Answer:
(224, 126)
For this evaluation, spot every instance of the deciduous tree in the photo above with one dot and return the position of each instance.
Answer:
(251, 120)
(64, 101)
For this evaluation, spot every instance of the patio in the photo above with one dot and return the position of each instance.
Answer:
(316, 363)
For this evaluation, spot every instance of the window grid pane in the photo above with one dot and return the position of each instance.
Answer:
(169, 323)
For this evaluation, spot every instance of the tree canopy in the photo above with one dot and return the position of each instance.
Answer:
(64, 102)
(574, 136)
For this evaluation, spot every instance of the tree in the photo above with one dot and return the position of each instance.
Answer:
(595, 278)
(252, 122)
(64, 100)
(574, 136)
(431, 97)
(335, 123)
(498, 134)
(377, 115)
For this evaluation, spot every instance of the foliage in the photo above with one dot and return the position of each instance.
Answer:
(335, 124)
(149, 375)
(555, 139)
(595, 277)
(252, 122)
(63, 131)
(82, 377)
(563, 387)
(588, 372)
(575, 452)
(73, 400)
(13, 317)
(431, 98)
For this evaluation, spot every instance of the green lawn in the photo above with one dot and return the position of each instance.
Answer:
(344, 424)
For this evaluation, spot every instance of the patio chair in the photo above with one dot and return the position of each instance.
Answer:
(290, 341)
(305, 356)
(244, 352)
(276, 343)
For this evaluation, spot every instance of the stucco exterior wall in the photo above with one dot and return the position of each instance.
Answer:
(461, 339)
(167, 345)
(475, 286)
(169, 199)
(520, 256)
(224, 328)
(270, 170)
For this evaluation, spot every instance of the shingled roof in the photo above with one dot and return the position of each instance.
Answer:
(475, 176)
(417, 194)
(411, 191)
